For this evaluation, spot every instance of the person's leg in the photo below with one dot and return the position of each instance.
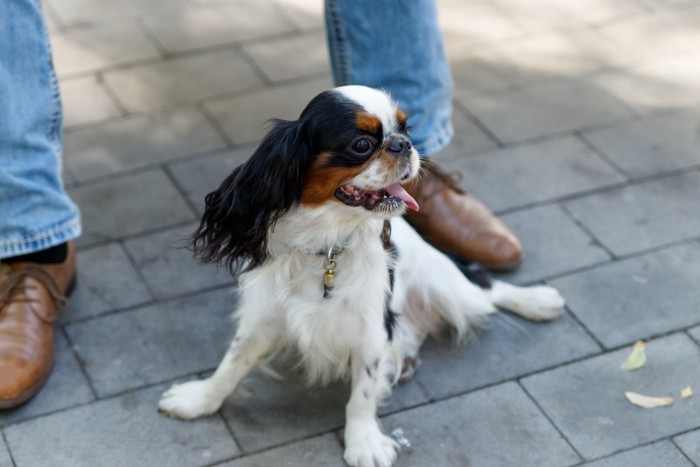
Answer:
(397, 45)
(37, 219)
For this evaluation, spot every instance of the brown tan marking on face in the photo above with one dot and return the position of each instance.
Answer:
(368, 122)
(401, 116)
(322, 182)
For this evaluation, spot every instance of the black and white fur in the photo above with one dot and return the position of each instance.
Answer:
(311, 186)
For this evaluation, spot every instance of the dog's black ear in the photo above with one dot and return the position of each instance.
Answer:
(241, 211)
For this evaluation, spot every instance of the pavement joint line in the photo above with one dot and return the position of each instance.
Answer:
(620, 258)
(135, 267)
(229, 428)
(209, 117)
(100, 78)
(549, 418)
(461, 107)
(257, 69)
(81, 364)
(152, 167)
(7, 445)
(286, 17)
(183, 193)
(599, 190)
(151, 37)
(154, 230)
(672, 439)
(581, 225)
(153, 302)
(596, 150)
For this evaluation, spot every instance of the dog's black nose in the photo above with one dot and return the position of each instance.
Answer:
(399, 145)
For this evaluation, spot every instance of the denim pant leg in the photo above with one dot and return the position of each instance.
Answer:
(396, 45)
(35, 211)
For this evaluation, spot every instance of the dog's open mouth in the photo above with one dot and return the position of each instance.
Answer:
(389, 198)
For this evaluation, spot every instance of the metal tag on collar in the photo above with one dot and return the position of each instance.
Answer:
(329, 276)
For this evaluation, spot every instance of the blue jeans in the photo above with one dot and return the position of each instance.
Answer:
(396, 45)
(35, 211)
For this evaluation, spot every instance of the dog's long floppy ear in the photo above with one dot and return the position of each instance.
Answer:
(241, 211)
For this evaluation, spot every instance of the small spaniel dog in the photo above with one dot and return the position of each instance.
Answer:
(309, 216)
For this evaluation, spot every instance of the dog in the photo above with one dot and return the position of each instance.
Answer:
(308, 216)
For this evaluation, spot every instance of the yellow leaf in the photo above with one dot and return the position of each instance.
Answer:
(637, 358)
(686, 392)
(648, 402)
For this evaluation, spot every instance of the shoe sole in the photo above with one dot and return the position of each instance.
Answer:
(27, 394)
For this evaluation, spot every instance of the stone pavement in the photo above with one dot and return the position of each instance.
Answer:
(578, 122)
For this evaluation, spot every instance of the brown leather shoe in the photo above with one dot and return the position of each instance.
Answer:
(30, 296)
(459, 224)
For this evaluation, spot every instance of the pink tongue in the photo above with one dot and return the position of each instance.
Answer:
(399, 191)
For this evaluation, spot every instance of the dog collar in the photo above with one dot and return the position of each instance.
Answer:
(331, 261)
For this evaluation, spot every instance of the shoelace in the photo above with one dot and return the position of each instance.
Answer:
(11, 289)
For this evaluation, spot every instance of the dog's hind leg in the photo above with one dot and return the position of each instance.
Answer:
(203, 397)
(537, 303)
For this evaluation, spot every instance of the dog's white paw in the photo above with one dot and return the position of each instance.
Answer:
(189, 400)
(546, 303)
(367, 446)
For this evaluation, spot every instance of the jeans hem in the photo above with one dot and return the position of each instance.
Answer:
(52, 237)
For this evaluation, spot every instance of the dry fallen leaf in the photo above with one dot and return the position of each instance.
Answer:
(637, 358)
(648, 402)
(686, 392)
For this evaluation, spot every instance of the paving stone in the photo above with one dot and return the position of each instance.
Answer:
(690, 444)
(695, 333)
(655, 85)
(494, 426)
(653, 455)
(85, 101)
(586, 399)
(467, 138)
(5, 459)
(270, 56)
(88, 49)
(181, 80)
(87, 12)
(552, 243)
(638, 217)
(169, 268)
(475, 70)
(544, 108)
(66, 387)
(553, 55)
(126, 430)
(303, 13)
(244, 117)
(652, 145)
(673, 31)
(128, 205)
(202, 175)
(323, 450)
(278, 412)
(106, 281)
(638, 297)
(557, 14)
(514, 177)
(215, 24)
(155, 343)
(510, 348)
(486, 22)
(138, 141)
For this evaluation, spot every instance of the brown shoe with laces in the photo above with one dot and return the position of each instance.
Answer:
(459, 224)
(30, 296)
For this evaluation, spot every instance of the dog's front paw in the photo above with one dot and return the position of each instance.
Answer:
(189, 400)
(367, 446)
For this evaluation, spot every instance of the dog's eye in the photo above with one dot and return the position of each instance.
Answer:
(362, 146)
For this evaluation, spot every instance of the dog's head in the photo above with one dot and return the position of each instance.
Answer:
(349, 150)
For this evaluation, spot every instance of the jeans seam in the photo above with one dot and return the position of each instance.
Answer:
(338, 44)
(10, 243)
